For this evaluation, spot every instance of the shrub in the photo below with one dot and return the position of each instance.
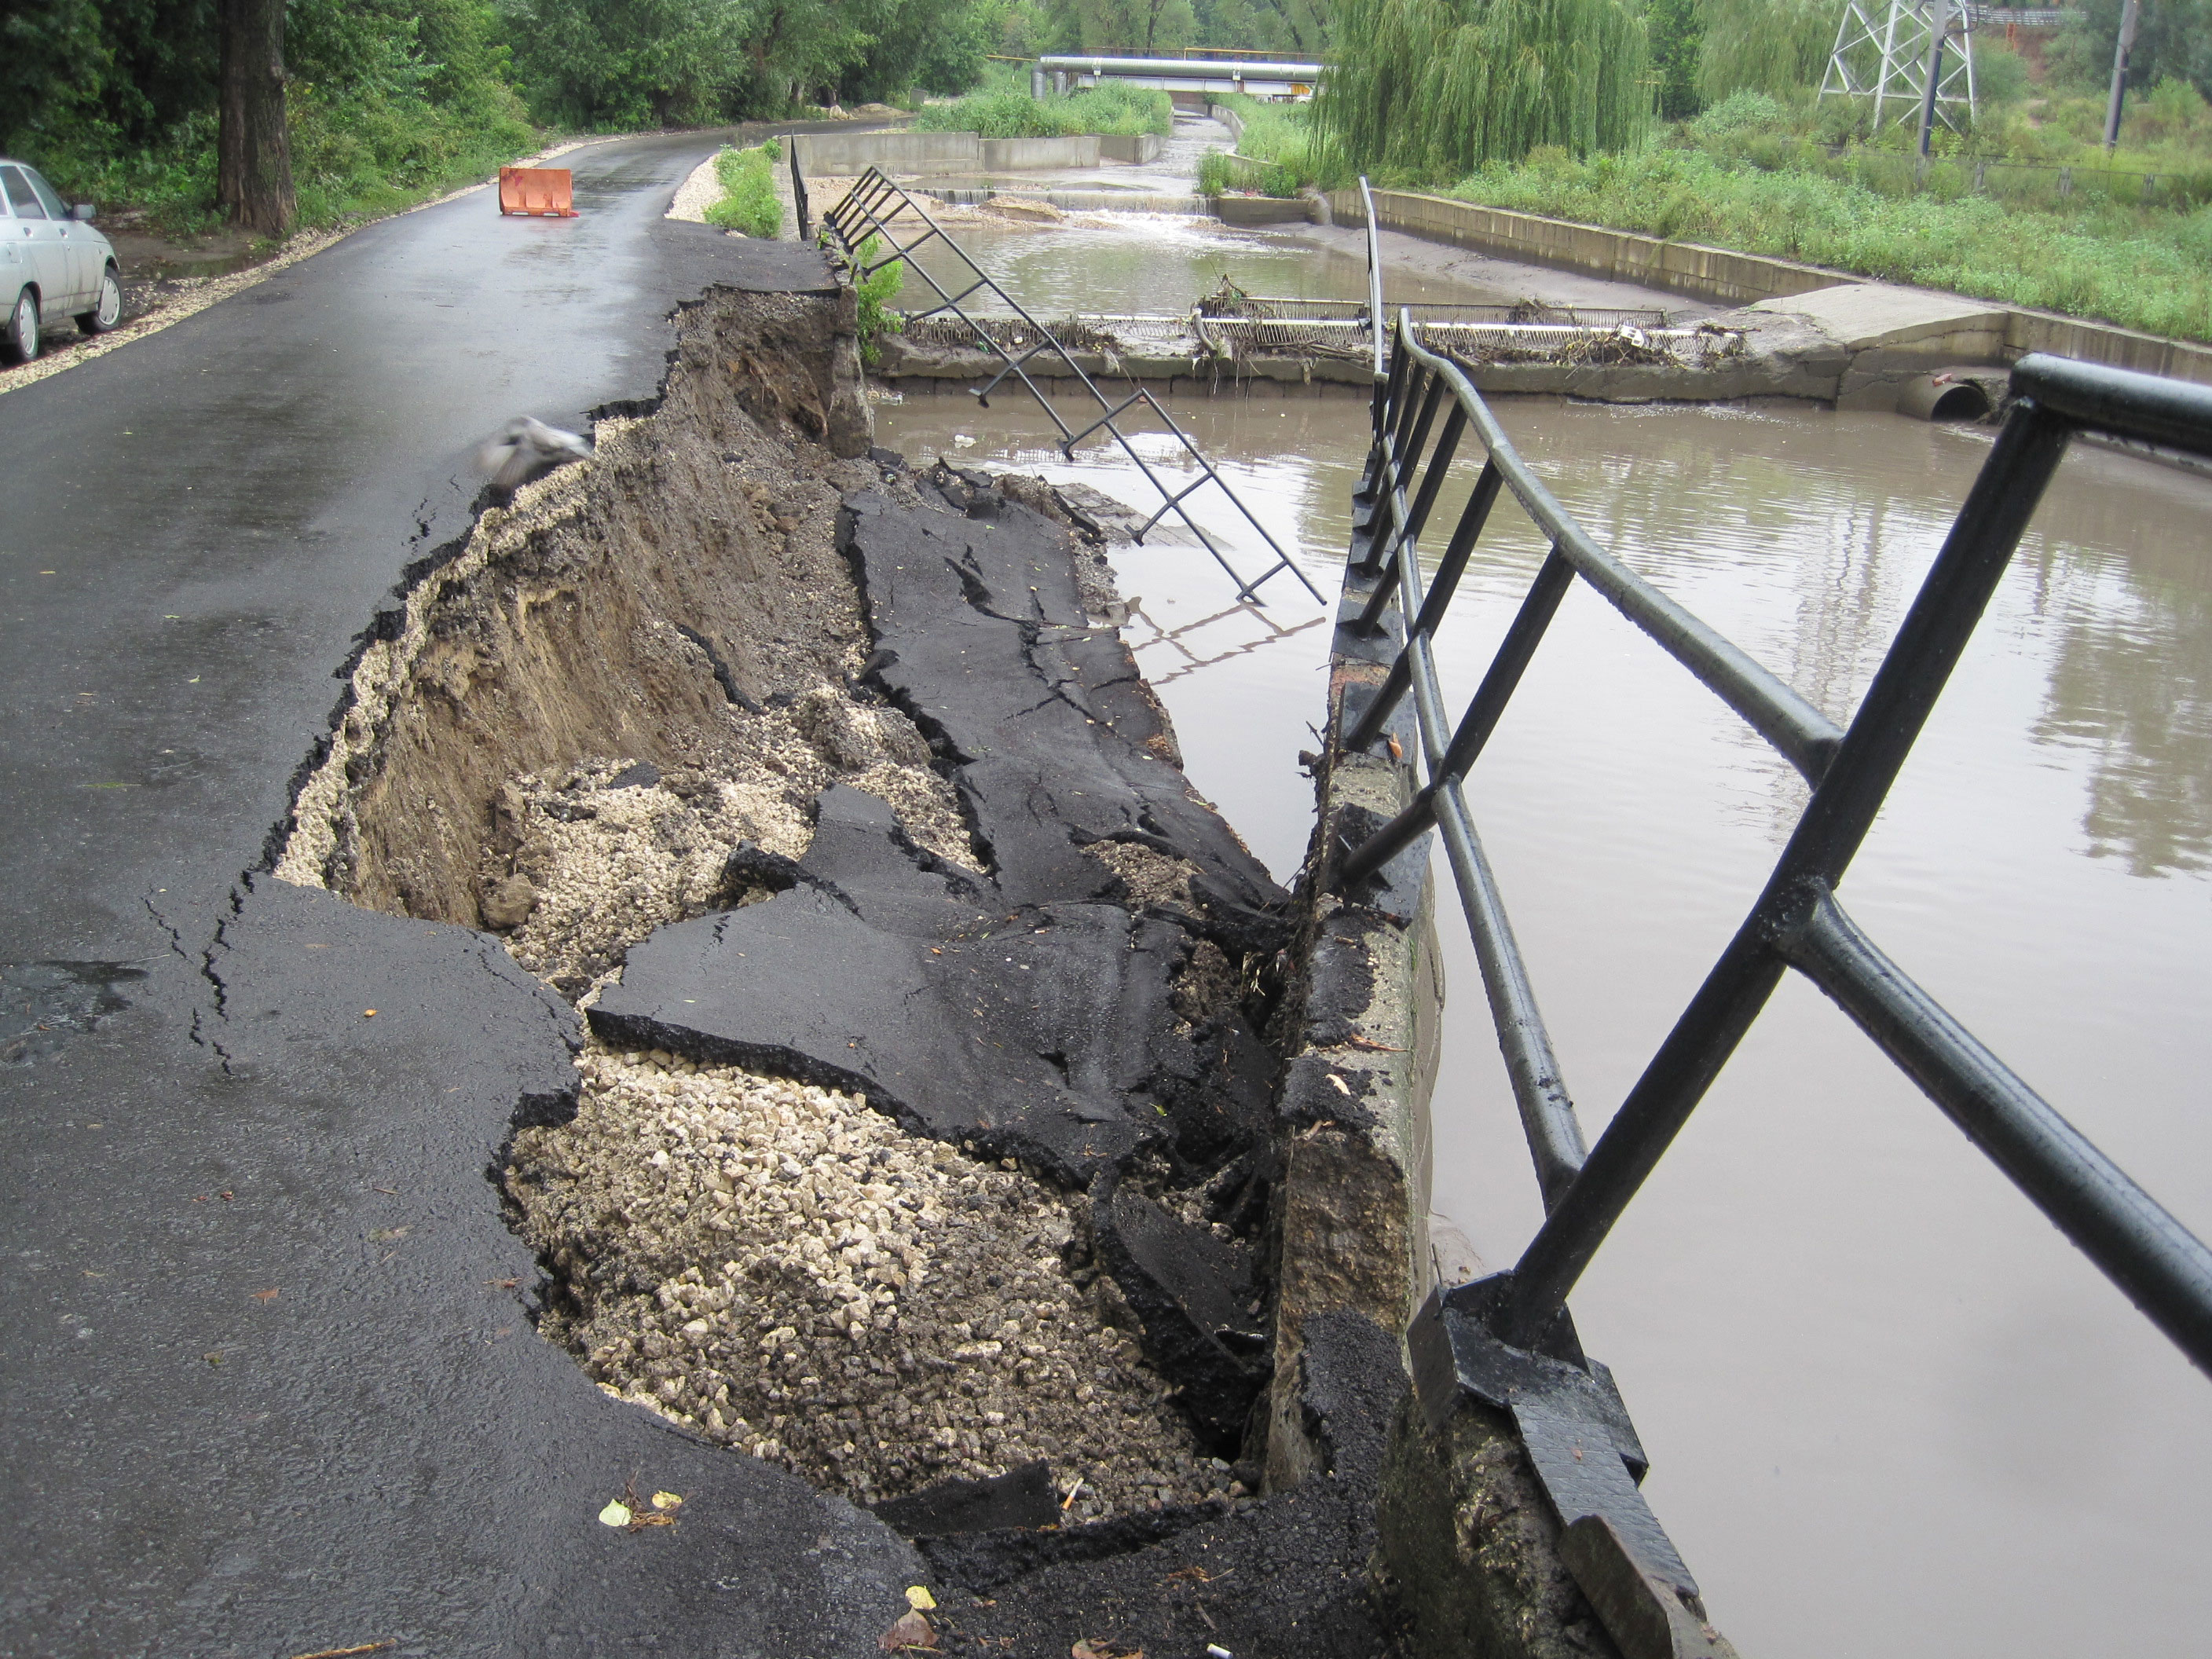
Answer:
(875, 293)
(1115, 108)
(749, 200)
(1741, 111)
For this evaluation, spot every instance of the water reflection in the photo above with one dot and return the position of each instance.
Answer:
(2130, 688)
(1160, 262)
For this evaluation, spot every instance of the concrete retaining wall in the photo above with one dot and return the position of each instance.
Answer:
(840, 154)
(2104, 343)
(1013, 154)
(1262, 209)
(1135, 147)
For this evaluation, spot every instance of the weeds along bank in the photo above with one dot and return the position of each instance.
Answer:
(1110, 108)
(2024, 207)
(649, 691)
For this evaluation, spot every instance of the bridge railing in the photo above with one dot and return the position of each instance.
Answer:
(1429, 422)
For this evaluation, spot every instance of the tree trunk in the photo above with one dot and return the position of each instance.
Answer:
(253, 148)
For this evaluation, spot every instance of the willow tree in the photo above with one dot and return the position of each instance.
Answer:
(1435, 88)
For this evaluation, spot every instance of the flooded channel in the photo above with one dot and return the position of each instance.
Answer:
(1889, 1408)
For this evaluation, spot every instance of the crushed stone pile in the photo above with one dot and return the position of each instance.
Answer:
(786, 1271)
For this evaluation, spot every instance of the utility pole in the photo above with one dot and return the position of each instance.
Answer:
(1939, 22)
(2130, 14)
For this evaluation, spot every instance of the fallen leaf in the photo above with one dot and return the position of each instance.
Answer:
(1397, 750)
(919, 1599)
(617, 1514)
(265, 1296)
(912, 1631)
(667, 1500)
(369, 1014)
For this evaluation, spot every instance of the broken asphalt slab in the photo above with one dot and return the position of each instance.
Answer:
(1027, 1010)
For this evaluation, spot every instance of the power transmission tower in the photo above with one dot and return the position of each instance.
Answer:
(1888, 61)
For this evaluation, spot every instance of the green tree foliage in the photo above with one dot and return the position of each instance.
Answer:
(619, 64)
(1773, 46)
(83, 78)
(1288, 29)
(1436, 87)
(116, 99)
(1144, 28)
(1677, 36)
(2173, 41)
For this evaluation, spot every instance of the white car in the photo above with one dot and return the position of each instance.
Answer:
(53, 264)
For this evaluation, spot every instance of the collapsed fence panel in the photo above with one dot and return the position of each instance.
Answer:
(877, 210)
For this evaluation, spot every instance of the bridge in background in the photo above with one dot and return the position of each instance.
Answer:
(1194, 78)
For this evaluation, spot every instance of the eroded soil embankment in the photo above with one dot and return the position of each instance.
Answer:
(634, 697)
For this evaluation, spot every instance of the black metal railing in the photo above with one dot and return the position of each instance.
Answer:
(1424, 409)
(1507, 1339)
(877, 210)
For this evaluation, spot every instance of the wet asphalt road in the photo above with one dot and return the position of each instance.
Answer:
(269, 1382)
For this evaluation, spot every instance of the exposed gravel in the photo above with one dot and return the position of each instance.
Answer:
(590, 859)
(788, 1273)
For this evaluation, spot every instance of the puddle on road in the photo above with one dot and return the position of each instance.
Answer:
(1889, 1407)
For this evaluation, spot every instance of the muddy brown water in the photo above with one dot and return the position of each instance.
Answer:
(1157, 262)
(1889, 1409)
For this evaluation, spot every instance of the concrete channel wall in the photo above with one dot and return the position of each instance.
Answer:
(1135, 147)
(1719, 274)
(839, 154)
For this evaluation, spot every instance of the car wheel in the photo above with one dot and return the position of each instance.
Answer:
(109, 310)
(23, 327)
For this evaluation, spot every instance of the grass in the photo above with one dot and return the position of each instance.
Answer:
(1283, 139)
(749, 200)
(1220, 173)
(1115, 109)
(2098, 253)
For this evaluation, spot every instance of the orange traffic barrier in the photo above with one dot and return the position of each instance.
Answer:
(542, 192)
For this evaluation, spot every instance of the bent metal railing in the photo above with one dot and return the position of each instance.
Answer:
(877, 210)
(1511, 1328)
